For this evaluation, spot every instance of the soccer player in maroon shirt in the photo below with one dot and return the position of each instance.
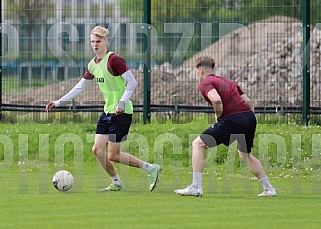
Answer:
(235, 122)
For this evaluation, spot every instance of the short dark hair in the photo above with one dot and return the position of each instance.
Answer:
(205, 61)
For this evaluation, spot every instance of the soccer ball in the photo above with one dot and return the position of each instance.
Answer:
(63, 180)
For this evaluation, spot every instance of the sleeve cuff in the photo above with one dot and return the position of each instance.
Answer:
(57, 103)
(121, 105)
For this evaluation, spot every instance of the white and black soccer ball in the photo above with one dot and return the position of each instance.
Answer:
(63, 180)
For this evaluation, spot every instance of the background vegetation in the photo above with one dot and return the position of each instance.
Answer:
(167, 142)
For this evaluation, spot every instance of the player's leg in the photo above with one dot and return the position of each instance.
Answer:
(101, 142)
(118, 131)
(198, 155)
(257, 169)
(211, 137)
(251, 161)
(253, 164)
(99, 150)
(115, 155)
(198, 164)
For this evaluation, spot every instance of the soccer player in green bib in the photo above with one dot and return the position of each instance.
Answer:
(117, 84)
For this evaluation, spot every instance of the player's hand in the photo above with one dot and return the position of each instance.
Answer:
(120, 108)
(50, 106)
(119, 111)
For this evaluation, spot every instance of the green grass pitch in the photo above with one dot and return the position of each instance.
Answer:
(29, 200)
(26, 205)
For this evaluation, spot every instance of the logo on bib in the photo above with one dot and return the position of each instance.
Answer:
(100, 80)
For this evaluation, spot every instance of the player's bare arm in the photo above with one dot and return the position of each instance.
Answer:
(217, 104)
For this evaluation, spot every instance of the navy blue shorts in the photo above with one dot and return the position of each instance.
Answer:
(237, 127)
(116, 126)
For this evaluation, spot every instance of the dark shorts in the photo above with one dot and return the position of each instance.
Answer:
(238, 127)
(116, 126)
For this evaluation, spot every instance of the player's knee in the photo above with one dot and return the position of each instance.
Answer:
(198, 143)
(113, 157)
(97, 152)
(244, 156)
(94, 150)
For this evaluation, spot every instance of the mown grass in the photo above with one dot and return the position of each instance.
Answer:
(227, 203)
(28, 199)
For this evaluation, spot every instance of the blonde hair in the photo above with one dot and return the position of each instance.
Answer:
(100, 31)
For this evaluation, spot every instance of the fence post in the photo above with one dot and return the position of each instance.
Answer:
(147, 57)
(306, 61)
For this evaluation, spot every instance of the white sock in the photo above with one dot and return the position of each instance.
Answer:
(197, 179)
(147, 167)
(116, 180)
(266, 183)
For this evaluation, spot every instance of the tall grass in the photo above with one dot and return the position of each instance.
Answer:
(278, 145)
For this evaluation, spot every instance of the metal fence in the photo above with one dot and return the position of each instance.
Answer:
(270, 48)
